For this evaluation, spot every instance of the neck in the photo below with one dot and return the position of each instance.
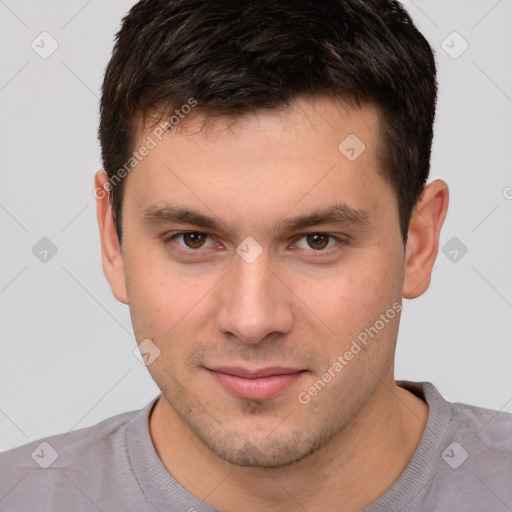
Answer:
(349, 473)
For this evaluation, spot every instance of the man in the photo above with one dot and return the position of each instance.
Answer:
(263, 211)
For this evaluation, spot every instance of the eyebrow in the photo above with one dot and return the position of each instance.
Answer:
(182, 215)
(339, 214)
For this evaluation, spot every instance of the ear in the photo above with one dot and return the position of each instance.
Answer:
(111, 255)
(423, 238)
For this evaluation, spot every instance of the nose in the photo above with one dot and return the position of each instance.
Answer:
(253, 303)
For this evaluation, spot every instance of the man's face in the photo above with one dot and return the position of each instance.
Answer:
(247, 326)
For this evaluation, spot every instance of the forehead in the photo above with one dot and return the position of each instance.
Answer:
(314, 151)
(314, 115)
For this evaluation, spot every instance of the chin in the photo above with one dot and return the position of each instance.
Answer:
(244, 450)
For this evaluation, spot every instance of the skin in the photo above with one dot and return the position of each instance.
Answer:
(294, 306)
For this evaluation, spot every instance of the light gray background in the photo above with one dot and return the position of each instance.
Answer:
(66, 353)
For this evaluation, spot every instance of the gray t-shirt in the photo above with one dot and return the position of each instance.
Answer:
(463, 463)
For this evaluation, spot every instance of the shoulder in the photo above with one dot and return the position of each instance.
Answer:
(480, 435)
(490, 426)
(63, 469)
(475, 457)
(463, 460)
(66, 447)
(481, 428)
(487, 433)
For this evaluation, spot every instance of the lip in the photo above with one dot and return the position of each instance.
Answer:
(259, 384)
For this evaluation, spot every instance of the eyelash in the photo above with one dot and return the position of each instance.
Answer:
(316, 253)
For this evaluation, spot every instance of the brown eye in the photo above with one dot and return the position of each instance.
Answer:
(317, 241)
(194, 240)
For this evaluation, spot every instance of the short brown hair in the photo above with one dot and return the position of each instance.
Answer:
(238, 56)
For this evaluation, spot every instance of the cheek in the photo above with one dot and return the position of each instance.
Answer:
(352, 298)
(151, 294)
(165, 304)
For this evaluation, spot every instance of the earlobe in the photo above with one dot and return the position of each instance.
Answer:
(423, 238)
(111, 254)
